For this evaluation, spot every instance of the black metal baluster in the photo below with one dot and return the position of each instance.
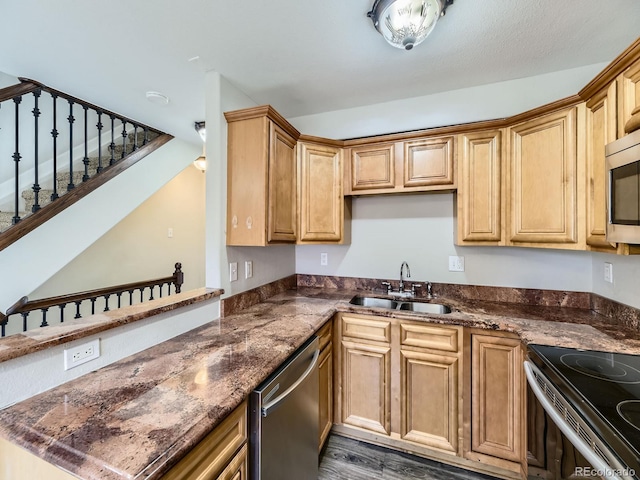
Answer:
(142, 294)
(71, 119)
(99, 127)
(24, 320)
(3, 324)
(161, 285)
(106, 302)
(112, 145)
(85, 160)
(54, 134)
(124, 139)
(145, 140)
(93, 305)
(151, 293)
(36, 185)
(169, 288)
(44, 317)
(130, 297)
(62, 312)
(16, 159)
(78, 309)
(135, 137)
(119, 298)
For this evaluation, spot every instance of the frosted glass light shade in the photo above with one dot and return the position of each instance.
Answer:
(405, 23)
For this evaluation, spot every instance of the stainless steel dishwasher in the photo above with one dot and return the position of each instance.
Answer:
(284, 420)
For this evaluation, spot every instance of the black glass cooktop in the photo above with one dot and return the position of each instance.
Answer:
(604, 387)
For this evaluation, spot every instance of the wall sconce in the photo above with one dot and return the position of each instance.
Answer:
(406, 23)
(201, 162)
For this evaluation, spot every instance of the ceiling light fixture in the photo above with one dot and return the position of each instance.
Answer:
(201, 162)
(406, 23)
(157, 98)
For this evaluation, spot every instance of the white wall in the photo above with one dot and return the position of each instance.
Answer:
(31, 374)
(486, 102)
(138, 247)
(626, 278)
(269, 263)
(37, 256)
(387, 230)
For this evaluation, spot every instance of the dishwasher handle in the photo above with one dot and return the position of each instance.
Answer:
(269, 407)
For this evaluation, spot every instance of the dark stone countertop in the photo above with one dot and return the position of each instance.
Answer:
(138, 417)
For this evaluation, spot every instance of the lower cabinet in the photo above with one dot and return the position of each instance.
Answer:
(325, 374)
(445, 392)
(222, 455)
(496, 391)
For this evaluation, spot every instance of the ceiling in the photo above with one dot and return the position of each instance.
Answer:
(301, 56)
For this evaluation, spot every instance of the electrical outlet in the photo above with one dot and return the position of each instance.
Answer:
(248, 269)
(456, 264)
(324, 259)
(81, 354)
(608, 272)
(233, 271)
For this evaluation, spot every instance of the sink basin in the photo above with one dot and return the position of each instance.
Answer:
(419, 307)
(374, 302)
(424, 307)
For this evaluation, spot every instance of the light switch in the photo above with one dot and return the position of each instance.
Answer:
(233, 271)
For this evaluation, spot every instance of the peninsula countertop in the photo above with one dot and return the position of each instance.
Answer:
(139, 416)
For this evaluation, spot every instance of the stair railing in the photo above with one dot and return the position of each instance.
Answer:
(83, 141)
(24, 306)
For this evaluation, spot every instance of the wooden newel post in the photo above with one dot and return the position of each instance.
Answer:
(178, 277)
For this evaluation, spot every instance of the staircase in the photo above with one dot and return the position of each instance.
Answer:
(95, 165)
(56, 118)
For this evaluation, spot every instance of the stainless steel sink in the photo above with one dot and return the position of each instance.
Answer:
(374, 302)
(419, 307)
(424, 307)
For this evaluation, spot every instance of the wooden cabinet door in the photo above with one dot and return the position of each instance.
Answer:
(543, 163)
(480, 188)
(429, 399)
(497, 399)
(325, 371)
(321, 201)
(429, 162)
(372, 167)
(247, 151)
(282, 186)
(325, 375)
(366, 386)
(601, 130)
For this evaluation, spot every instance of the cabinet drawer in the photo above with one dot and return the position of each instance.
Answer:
(366, 328)
(431, 337)
(213, 454)
(324, 335)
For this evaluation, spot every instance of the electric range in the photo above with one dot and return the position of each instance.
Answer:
(597, 397)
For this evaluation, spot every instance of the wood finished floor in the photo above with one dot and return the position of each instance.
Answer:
(347, 459)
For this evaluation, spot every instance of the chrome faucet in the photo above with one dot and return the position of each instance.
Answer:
(401, 286)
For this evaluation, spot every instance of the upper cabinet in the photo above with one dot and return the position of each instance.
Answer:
(601, 125)
(261, 178)
(418, 164)
(480, 205)
(521, 185)
(543, 183)
(629, 100)
(321, 203)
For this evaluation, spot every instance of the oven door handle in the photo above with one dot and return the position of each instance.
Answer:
(589, 455)
(273, 404)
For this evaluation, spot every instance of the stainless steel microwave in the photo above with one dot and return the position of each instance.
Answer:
(623, 189)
